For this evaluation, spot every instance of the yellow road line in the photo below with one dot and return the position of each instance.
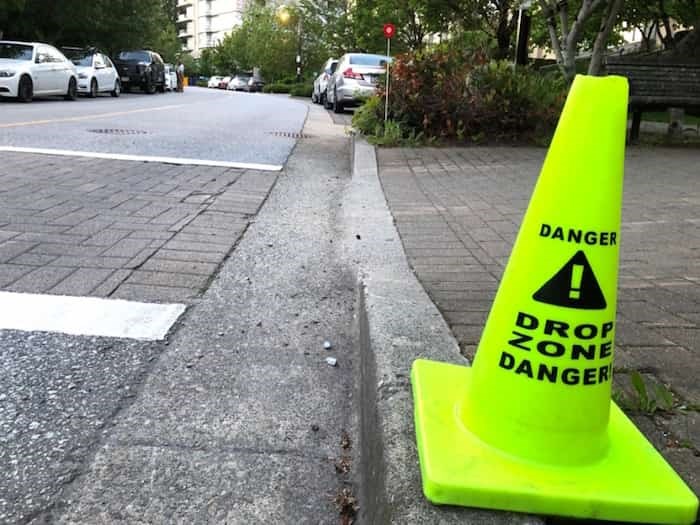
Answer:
(86, 117)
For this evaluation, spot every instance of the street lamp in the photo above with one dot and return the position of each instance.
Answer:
(523, 33)
(284, 16)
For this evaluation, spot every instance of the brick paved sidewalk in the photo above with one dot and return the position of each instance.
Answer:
(130, 230)
(458, 211)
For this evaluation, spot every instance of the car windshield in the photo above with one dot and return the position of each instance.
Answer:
(369, 60)
(140, 56)
(15, 51)
(79, 57)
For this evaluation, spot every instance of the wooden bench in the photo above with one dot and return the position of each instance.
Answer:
(657, 82)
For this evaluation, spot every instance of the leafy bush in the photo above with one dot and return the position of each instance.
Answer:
(511, 104)
(301, 90)
(277, 88)
(368, 116)
(428, 90)
(453, 94)
(202, 83)
(369, 120)
(296, 90)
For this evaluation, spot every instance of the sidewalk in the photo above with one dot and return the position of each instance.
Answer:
(458, 211)
(241, 419)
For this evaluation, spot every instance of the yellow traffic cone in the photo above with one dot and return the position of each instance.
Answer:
(531, 426)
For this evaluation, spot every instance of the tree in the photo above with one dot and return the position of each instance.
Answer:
(414, 19)
(9, 13)
(109, 24)
(566, 30)
(262, 41)
(495, 18)
(661, 19)
(327, 29)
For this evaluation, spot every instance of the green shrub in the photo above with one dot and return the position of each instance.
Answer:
(455, 94)
(369, 120)
(301, 90)
(428, 90)
(202, 83)
(513, 104)
(368, 116)
(277, 88)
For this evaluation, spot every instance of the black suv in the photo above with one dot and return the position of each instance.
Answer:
(141, 68)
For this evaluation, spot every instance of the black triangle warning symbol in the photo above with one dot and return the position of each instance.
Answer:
(574, 286)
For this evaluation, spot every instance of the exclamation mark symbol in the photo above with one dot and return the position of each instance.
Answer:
(576, 277)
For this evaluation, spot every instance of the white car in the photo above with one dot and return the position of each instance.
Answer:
(30, 69)
(96, 72)
(354, 80)
(214, 81)
(239, 83)
(170, 78)
(318, 96)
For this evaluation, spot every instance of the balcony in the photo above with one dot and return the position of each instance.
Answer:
(186, 32)
(185, 16)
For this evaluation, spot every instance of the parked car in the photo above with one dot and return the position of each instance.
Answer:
(29, 69)
(170, 77)
(214, 81)
(223, 83)
(141, 68)
(239, 83)
(318, 96)
(255, 85)
(96, 72)
(354, 79)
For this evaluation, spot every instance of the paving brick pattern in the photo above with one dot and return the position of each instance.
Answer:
(458, 211)
(132, 230)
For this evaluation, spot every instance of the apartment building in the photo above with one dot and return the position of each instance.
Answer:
(204, 23)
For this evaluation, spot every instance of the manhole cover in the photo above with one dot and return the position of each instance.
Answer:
(117, 131)
(289, 134)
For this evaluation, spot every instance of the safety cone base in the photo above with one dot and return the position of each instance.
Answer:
(632, 483)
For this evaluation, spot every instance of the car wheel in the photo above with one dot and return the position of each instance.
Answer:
(322, 99)
(337, 106)
(25, 91)
(314, 97)
(326, 102)
(161, 88)
(117, 89)
(72, 92)
(149, 87)
(93, 88)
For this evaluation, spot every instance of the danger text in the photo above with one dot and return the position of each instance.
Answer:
(578, 236)
(533, 339)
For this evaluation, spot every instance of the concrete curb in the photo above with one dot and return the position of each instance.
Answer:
(398, 324)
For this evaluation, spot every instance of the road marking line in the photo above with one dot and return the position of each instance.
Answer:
(90, 316)
(145, 158)
(87, 117)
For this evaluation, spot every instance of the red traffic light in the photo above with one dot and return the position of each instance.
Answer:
(389, 30)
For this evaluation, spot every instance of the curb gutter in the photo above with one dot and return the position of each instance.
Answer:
(398, 324)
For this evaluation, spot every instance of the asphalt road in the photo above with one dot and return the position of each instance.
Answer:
(200, 123)
(59, 394)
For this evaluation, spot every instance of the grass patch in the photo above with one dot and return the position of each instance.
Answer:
(662, 116)
(688, 140)
(646, 395)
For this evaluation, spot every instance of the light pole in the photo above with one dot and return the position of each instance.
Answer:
(523, 33)
(299, 42)
(284, 16)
